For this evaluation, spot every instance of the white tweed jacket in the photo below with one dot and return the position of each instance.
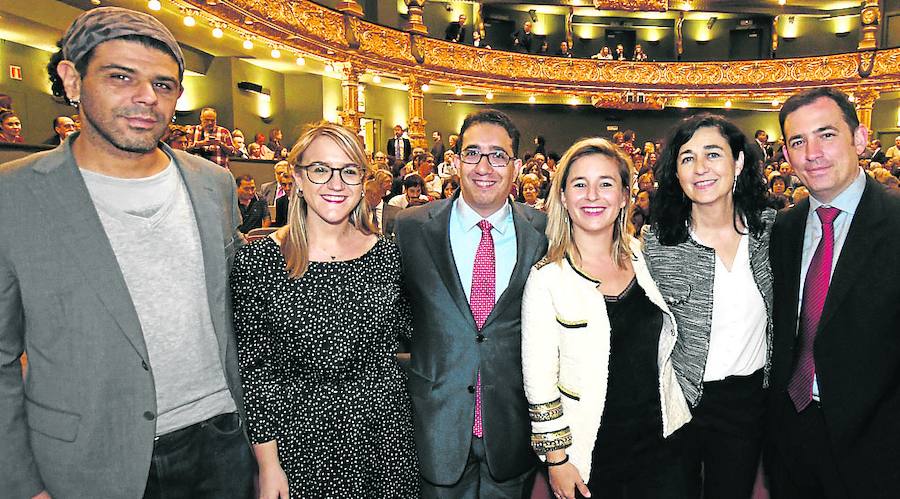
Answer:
(565, 358)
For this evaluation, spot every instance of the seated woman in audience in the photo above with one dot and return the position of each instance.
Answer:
(264, 151)
(597, 338)
(449, 187)
(708, 249)
(530, 190)
(10, 127)
(318, 311)
(604, 54)
(639, 54)
(777, 184)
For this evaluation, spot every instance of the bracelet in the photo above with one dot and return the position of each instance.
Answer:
(558, 463)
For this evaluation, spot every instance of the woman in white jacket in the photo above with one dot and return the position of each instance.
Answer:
(596, 342)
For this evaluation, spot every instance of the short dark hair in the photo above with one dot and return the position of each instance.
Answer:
(493, 117)
(671, 210)
(56, 121)
(243, 178)
(413, 180)
(776, 178)
(758, 133)
(807, 97)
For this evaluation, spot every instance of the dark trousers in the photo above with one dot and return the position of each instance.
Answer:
(802, 464)
(211, 459)
(661, 477)
(723, 440)
(477, 482)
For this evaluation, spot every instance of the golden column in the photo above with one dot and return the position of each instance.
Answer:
(350, 92)
(865, 99)
(415, 23)
(351, 7)
(869, 18)
(416, 111)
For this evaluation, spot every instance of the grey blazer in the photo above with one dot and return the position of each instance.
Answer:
(83, 422)
(684, 274)
(448, 350)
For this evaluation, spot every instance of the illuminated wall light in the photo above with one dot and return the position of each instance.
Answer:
(775, 103)
(189, 21)
(425, 87)
(248, 44)
(489, 95)
(843, 24)
(377, 79)
(95, 2)
(458, 92)
(300, 60)
(329, 68)
(654, 35)
(154, 5)
(532, 99)
(728, 104)
(683, 103)
(217, 32)
(782, 2)
(275, 53)
(851, 98)
(574, 100)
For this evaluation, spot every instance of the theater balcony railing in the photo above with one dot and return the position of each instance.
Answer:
(343, 37)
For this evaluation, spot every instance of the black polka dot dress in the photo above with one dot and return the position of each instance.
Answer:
(319, 372)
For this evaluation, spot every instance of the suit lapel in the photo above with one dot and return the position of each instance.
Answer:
(792, 256)
(862, 238)
(436, 233)
(74, 220)
(208, 215)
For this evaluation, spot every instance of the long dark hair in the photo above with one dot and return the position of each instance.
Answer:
(670, 212)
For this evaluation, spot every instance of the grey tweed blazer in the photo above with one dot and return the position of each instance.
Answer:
(684, 274)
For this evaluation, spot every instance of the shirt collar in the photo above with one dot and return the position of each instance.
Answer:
(846, 201)
(468, 218)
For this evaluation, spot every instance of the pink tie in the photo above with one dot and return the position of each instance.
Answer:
(815, 289)
(481, 300)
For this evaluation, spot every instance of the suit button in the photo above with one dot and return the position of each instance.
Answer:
(471, 389)
(144, 365)
(480, 338)
(149, 416)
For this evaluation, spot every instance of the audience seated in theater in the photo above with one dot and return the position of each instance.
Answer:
(381, 161)
(478, 40)
(564, 50)
(413, 187)
(448, 167)
(177, 138)
(264, 151)
(254, 210)
(604, 54)
(10, 127)
(63, 126)
(449, 186)
(383, 214)
(620, 53)
(524, 40)
(210, 140)
(282, 204)
(271, 191)
(279, 151)
(639, 54)
(240, 145)
(456, 31)
(529, 189)
(641, 214)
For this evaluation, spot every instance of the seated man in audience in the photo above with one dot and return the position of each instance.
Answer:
(254, 211)
(63, 126)
(413, 186)
(564, 50)
(524, 40)
(381, 161)
(456, 31)
(383, 214)
(212, 141)
(272, 191)
(282, 204)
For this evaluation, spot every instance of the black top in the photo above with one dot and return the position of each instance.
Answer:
(253, 214)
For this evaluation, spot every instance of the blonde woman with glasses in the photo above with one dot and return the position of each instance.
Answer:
(318, 311)
(596, 342)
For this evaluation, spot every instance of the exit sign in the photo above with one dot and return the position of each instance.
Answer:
(15, 72)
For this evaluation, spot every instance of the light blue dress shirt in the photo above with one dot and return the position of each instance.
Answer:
(465, 236)
(847, 202)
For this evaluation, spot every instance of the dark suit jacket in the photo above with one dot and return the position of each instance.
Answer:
(268, 191)
(281, 211)
(446, 353)
(857, 349)
(82, 423)
(879, 156)
(455, 33)
(526, 42)
(389, 217)
(407, 149)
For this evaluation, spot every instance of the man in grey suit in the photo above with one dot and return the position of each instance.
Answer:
(117, 289)
(466, 260)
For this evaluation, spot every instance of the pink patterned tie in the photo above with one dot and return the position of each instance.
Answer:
(481, 300)
(815, 289)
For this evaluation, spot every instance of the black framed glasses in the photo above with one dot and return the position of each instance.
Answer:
(497, 159)
(320, 173)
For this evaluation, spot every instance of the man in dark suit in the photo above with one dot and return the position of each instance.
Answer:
(466, 260)
(835, 376)
(383, 214)
(762, 142)
(878, 153)
(118, 291)
(524, 40)
(456, 32)
(399, 146)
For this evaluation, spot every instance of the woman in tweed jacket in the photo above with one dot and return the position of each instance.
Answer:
(708, 249)
(597, 339)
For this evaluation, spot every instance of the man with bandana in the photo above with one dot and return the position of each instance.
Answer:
(117, 289)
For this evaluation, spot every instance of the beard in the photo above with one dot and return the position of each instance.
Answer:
(121, 136)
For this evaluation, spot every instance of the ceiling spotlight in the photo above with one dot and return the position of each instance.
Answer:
(154, 5)
(217, 32)
(301, 61)
(377, 79)
(189, 21)
(683, 103)
(248, 44)
(782, 2)
(489, 95)
(851, 98)
(775, 103)
(95, 2)
(574, 100)
(458, 91)
(248, 21)
(728, 104)
(532, 99)
(425, 87)
(275, 53)
(329, 68)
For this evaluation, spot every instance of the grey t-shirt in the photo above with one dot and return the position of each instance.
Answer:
(151, 226)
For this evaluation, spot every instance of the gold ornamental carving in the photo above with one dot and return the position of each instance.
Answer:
(868, 17)
(350, 96)
(318, 31)
(633, 5)
(415, 23)
(628, 101)
(417, 120)
(865, 100)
